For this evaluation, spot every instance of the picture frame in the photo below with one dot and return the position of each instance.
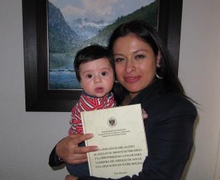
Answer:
(35, 42)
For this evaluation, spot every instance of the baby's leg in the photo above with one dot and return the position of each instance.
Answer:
(70, 177)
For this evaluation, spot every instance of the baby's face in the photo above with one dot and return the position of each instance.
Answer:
(97, 77)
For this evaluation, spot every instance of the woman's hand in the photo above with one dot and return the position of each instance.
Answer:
(67, 149)
(144, 114)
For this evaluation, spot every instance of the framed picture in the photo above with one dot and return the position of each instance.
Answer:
(53, 33)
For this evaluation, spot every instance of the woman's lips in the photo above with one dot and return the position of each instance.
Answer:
(132, 79)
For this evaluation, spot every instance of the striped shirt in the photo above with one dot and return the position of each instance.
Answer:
(88, 103)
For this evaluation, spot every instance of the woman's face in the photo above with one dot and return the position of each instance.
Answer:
(135, 63)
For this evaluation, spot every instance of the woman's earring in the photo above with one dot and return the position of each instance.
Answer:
(157, 73)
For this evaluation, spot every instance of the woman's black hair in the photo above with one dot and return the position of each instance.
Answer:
(149, 35)
(91, 53)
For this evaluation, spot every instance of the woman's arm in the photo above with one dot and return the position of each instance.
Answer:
(54, 160)
(67, 150)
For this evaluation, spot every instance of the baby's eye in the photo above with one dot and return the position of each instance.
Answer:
(104, 73)
(89, 76)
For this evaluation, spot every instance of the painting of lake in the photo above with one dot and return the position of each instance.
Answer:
(75, 24)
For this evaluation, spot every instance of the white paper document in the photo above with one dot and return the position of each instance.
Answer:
(119, 133)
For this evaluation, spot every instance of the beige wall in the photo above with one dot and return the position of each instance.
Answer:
(26, 138)
(200, 72)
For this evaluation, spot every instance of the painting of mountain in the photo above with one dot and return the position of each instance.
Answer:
(74, 26)
(62, 37)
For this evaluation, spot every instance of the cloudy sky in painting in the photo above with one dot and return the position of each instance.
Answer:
(106, 10)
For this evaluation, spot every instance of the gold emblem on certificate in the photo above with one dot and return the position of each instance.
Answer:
(112, 122)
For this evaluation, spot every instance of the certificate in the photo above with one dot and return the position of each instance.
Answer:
(119, 133)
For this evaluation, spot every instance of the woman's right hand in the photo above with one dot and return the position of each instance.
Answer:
(69, 151)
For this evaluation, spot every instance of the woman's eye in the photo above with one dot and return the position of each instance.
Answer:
(118, 59)
(139, 56)
(89, 76)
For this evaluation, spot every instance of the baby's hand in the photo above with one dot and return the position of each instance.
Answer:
(144, 114)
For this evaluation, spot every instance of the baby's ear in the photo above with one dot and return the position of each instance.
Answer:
(80, 85)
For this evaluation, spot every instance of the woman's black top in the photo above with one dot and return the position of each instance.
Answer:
(169, 132)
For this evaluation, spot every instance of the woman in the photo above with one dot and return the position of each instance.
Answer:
(145, 74)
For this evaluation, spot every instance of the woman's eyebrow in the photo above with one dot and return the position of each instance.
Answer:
(146, 50)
